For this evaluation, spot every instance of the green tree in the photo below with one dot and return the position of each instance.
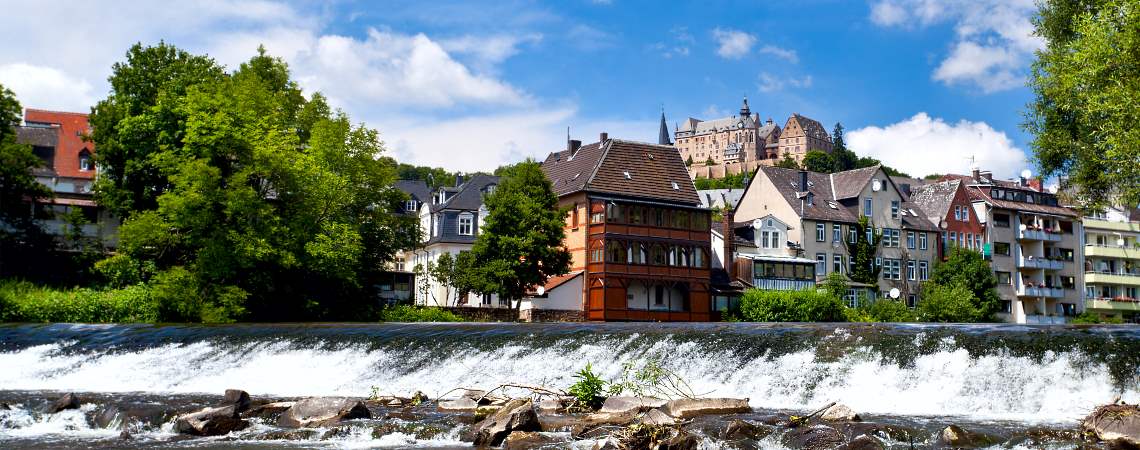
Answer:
(809, 305)
(863, 251)
(967, 269)
(689, 161)
(520, 244)
(835, 285)
(844, 159)
(819, 161)
(1084, 114)
(709, 162)
(18, 187)
(941, 303)
(788, 162)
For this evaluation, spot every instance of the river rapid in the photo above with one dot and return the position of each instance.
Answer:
(1013, 382)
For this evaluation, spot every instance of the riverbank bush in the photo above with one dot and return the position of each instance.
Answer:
(807, 305)
(1091, 318)
(882, 310)
(22, 301)
(407, 313)
(954, 303)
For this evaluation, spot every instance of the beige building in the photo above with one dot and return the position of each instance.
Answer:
(730, 140)
(1034, 245)
(1112, 263)
(801, 135)
(821, 211)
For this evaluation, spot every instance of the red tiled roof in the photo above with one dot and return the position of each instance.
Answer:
(625, 168)
(72, 127)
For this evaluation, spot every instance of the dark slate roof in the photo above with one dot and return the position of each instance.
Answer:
(601, 168)
(469, 195)
(787, 182)
(934, 199)
(416, 189)
(910, 184)
(663, 132)
(918, 222)
(38, 136)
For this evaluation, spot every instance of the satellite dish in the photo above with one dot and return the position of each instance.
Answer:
(876, 185)
(895, 293)
(1026, 173)
(541, 290)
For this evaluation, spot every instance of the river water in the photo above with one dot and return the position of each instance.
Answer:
(997, 378)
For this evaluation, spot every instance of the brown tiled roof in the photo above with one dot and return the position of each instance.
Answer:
(811, 127)
(602, 167)
(787, 182)
(934, 199)
(850, 183)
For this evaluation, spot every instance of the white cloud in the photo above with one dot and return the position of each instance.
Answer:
(767, 82)
(488, 51)
(782, 53)
(733, 44)
(922, 145)
(681, 41)
(993, 43)
(45, 87)
(586, 37)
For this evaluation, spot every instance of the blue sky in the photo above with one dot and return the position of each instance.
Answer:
(920, 84)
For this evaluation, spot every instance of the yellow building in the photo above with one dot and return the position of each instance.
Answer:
(1112, 264)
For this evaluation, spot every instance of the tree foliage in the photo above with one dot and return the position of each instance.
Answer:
(808, 305)
(247, 199)
(947, 303)
(844, 159)
(967, 269)
(820, 161)
(1083, 118)
(863, 252)
(729, 181)
(520, 244)
(18, 187)
(788, 162)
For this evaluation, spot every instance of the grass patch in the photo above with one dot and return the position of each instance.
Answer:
(22, 301)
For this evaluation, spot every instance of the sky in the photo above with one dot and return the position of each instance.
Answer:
(926, 86)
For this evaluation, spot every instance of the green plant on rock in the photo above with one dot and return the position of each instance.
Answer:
(588, 390)
(650, 380)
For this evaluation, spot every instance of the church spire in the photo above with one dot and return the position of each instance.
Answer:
(744, 111)
(663, 133)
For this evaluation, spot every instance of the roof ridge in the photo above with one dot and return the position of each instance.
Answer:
(55, 111)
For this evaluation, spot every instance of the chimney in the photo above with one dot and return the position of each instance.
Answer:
(573, 145)
(1023, 181)
(729, 245)
(1035, 183)
(458, 180)
(803, 181)
(977, 174)
(603, 137)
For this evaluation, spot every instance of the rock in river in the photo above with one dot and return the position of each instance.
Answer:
(626, 405)
(517, 415)
(322, 411)
(839, 413)
(691, 407)
(68, 401)
(1115, 423)
(213, 421)
(815, 437)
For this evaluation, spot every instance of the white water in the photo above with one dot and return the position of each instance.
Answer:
(948, 382)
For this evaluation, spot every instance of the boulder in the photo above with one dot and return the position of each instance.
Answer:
(268, 410)
(68, 401)
(517, 415)
(739, 429)
(839, 413)
(691, 407)
(862, 442)
(957, 437)
(523, 440)
(322, 411)
(107, 417)
(214, 421)
(681, 441)
(460, 404)
(623, 405)
(814, 437)
(551, 405)
(238, 398)
(1115, 423)
(4, 406)
(608, 443)
(655, 417)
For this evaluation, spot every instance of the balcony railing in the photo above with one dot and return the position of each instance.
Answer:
(1045, 320)
(1034, 291)
(1038, 235)
(782, 284)
(1040, 263)
(1116, 303)
(1097, 276)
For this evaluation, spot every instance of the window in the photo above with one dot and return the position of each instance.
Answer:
(659, 295)
(910, 273)
(890, 237)
(923, 270)
(922, 241)
(953, 238)
(615, 252)
(821, 263)
(435, 225)
(868, 206)
(837, 263)
(466, 224)
(965, 214)
(978, 241)
(764, 239)
(892, 269)
(819, 233)
(910, 240)
(657, 255)
(490, 189)
(680, 219)
(1004, 278)
(1001, 248)
(775, 243)
(574, 216)
(399, 264)
(852, 236)
(1001, 220)
(911, 301)
(486, 299)
(410, 205)
(894, 209)
(84, 161)
(637, 253)
(836, 234)
(968, 242)
(957, 212)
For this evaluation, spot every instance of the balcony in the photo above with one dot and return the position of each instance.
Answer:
(1098, 224)
(1124, 278)
(1038, 235)
(1039, 319)
(1112, 251)
(1040, 263)
(1034, 291)
(1112, 304)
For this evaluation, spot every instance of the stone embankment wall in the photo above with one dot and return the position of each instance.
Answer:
(699, 170)
(508, 314)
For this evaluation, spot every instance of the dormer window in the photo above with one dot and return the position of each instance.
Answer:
(466, 224)
(410, 205)
(490, 189)
(85, 163)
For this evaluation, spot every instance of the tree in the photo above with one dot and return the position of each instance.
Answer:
(709, 162)
(520, 244)
(809, 305)
(967, 269)
(1084, 114)
(863, 251)
(18, 187)
(788, 162)
(835, 284)
(844, 159)
(689, 161)
(819, 161)
(942, 303)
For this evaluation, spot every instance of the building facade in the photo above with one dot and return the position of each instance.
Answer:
(1034, 245)
(1112, 263)
(730, 140)
(638, 237)
(801, 135)
(449, 224)
(947, 204)
(821, 212)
